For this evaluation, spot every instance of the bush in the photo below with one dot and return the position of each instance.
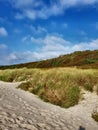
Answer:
(90, 61)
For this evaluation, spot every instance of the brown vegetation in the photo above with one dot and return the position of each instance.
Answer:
(60, 86)
(81, 59)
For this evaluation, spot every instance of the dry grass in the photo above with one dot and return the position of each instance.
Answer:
(95, 116)
(60, 86)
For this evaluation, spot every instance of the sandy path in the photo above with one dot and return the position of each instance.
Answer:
(20, 110)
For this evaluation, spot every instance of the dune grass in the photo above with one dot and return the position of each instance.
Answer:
(95, 116)
(60, 86)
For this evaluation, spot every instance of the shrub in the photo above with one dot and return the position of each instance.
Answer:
(90, 61)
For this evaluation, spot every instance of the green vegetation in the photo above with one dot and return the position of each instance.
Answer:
(88, 87)
(90, 61)
(26, 86)
(60, 86)
(95, 116)
(81, 59)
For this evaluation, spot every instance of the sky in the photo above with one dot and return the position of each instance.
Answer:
(33, 30)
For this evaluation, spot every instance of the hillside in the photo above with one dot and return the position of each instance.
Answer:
(81, 59)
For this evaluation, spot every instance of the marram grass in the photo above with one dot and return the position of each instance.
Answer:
(60, 86)
(95, 116)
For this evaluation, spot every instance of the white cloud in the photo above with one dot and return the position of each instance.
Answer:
(3, 46)
(30, 14)
(25, 38)
(48, 51)
(8, 59)
(38, 30)
(55, 40)
(49, 39)
(36, 40)
(62, 25)
(58, 43)
(34, 9)
(24, 3)
(41, 29)
(92, 45)
(70, 3)
(49, 46)
(3, 31)
(54, 46)
(3, 53)
(12, 57)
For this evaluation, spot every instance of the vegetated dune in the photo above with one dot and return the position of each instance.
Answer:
(20, 110)
(80, 59)
(60, 86)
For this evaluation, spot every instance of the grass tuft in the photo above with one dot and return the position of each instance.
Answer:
(88, 87)
(25, 86)
(95, 116)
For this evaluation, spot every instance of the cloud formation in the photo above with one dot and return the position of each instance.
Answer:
(50, 39)
(3, 46)
(50, 46)
(33, 9)
(38, 29)
(3, 31)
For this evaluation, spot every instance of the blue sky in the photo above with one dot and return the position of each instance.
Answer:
(32, 30)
